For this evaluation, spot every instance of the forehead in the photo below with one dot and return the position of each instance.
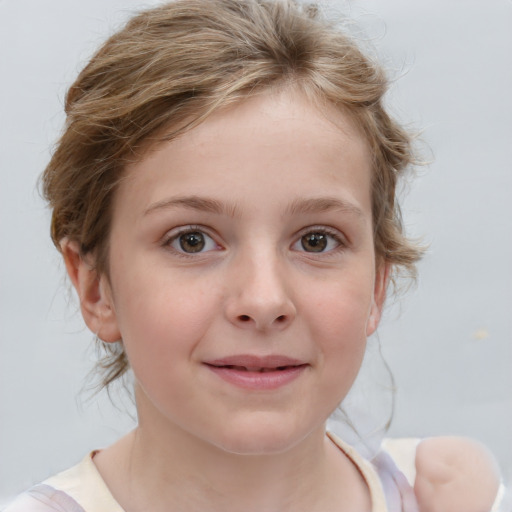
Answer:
(282, 114)
(277, 141)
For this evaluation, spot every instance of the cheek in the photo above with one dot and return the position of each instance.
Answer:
(338, 323)
(342, 309)
(162, 322)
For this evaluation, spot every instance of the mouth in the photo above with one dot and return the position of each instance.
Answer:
(254, 363)
(257, 373)
(254, 369)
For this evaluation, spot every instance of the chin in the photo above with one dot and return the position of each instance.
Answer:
(270, 445)
(260, 439)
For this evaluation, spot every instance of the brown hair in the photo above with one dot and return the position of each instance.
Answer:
(173, 65)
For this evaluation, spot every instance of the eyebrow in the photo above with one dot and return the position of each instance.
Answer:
(203, 204)
(298, 206)
(323, 204)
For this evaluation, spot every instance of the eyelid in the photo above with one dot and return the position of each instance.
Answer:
(175, 233)
(334, 233)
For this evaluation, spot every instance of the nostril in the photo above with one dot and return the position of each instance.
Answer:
(280, 319)
(245, 318)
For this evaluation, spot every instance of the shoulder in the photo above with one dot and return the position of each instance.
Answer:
(44, 498)
(439, 456)
(448, 473)
(76, 489)
(455, 469)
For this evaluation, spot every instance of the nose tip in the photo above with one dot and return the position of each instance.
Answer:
(260, 300)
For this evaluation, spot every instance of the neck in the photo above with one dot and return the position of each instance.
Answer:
(231, 480)
(147, 470)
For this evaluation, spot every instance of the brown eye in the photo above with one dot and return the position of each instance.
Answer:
(192, 242)
(314, 242)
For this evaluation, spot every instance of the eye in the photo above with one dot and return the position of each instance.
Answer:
(317, 241)
(192, 241)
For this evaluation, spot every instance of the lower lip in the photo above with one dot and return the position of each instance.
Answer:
(258, 380)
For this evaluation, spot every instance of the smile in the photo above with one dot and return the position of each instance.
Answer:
(255, 369)
(257, 373)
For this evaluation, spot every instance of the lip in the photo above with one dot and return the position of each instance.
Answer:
(255, 372)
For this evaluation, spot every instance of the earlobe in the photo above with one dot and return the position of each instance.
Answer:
(93, 292)
(379, 297)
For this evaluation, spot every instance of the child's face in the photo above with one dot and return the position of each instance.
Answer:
(247, 242)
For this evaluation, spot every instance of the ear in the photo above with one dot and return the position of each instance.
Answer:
(379, 296)
(93, 292)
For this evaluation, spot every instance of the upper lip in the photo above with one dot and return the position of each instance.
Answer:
(253, 361)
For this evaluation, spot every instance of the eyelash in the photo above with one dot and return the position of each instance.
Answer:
(335, 235)
(312, 230)
(175, 236)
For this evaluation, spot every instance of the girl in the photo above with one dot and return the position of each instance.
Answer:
(224, 199)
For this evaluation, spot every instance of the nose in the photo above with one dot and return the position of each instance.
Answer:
(260, 295)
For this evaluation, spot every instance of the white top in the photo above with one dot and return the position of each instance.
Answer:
(82, 489)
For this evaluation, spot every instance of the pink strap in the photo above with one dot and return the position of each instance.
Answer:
(399, 494)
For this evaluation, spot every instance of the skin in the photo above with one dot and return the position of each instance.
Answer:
(254, 180)
(274, 169)
(454, 474)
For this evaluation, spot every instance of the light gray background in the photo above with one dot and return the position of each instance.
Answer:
(449, 342)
